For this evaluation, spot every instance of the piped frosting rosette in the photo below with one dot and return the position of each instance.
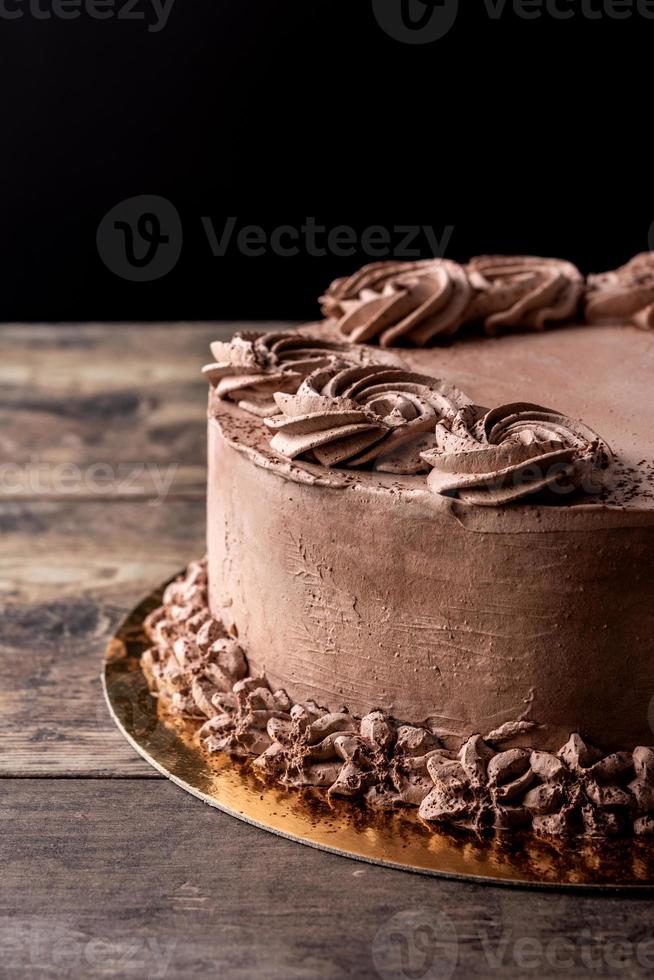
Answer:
(514, 292)
(624, 295)
(251, 367)
(393, 303)
(374, 416)
(399, 302)
(512, 452)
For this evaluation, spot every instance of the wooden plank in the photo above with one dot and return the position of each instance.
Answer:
(72, 565)
(135, 878)
(129, 876)
(86, 358)
(104, 411)
(68, 574)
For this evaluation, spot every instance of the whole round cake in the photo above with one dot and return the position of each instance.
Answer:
(430, 572)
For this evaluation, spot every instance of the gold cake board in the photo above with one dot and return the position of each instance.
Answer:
(398, 839)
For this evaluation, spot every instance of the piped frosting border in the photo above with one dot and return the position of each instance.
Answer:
(417, 303)
(198, 670)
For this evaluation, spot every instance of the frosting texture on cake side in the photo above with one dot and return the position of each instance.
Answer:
(430, 574)
(198, 670)
(377, 593)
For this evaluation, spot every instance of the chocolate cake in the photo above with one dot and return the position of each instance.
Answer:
(430, 571)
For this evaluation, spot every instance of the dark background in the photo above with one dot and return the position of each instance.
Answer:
(525, 136)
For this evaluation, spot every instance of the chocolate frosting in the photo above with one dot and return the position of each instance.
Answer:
(624, 295)
(365, 416)
(376, 593)
(253, 366)
(514, 451)
(412, 303)
(523, 291)
(199, 671)
(389, 302)
(577, 790)
(415, 302)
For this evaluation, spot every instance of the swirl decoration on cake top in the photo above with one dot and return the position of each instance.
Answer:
(253, 366)
(513, 451)
(624, 295)
(389, 302)
(514, 292)
(372, 416)
(413, 302)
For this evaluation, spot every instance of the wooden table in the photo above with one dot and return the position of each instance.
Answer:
(107, 868)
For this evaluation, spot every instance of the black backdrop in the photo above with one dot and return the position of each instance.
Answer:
(516, 135)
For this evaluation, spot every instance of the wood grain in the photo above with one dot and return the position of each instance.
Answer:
(68, 574)
(138, 879)
(113, 871)
(75, 559)
(104, 411)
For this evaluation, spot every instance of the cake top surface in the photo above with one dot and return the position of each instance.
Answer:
(558, 418)
(601, 374)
